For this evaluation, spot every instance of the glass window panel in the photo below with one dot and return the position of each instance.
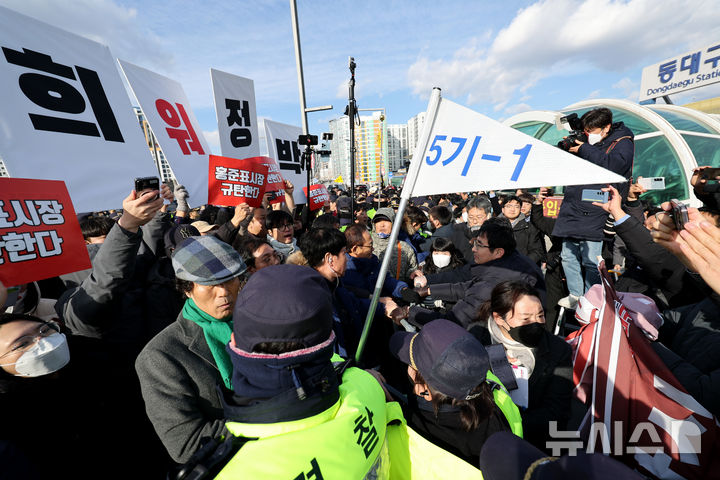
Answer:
(552, 135)
(705, 149)
(655, 157)
(683, 122)
(529, 128)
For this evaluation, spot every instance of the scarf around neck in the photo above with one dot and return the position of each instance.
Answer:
(514, 349)
(217, 335)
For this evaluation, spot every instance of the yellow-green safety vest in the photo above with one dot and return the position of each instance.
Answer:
(507, 406)
(361, 436)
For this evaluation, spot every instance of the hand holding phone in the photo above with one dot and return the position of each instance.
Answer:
(146, 184)
(679, 214)
(591, 195)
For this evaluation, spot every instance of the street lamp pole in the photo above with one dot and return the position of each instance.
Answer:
(351, 112)
(298, 63)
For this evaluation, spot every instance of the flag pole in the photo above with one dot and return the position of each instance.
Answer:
(415, 164)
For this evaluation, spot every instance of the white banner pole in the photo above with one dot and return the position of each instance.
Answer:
(405, 198)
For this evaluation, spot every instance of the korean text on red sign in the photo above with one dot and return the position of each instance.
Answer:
(233, 181)
(275, 181)
(551, 206)
(318, 196)
(40, 236)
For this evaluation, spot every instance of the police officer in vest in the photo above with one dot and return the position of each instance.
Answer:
(295, 414)
(458, 401)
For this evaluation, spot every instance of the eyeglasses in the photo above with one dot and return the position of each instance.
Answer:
(511, 205)
(366, 246)
(24, 343)
(288, 226)
(475, 243)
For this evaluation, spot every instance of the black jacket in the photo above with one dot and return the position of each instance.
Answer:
(529, 240)
(446, 430)
(469, 296)
(653, 270)
(582, 220)
(456, 233)
(690, 347)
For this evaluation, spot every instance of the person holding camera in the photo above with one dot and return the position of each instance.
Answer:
(580, 224)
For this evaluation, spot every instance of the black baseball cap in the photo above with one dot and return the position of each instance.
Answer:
(450, 359)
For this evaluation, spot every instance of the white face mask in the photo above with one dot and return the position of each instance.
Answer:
(441, 260)
(48, 355)
(594, 138)
(464, 217)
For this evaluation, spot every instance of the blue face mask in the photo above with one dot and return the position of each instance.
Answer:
(429, 226)
(383, 235)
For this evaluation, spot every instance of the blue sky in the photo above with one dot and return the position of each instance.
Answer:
(499, 58)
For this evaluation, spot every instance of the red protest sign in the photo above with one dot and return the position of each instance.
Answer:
(275, 185)
(551, 206)
(40, 236)
(318, 196)
(232, 181)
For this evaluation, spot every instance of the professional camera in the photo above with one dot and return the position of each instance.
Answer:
(576, 132)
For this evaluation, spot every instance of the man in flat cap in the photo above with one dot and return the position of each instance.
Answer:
(180, 368)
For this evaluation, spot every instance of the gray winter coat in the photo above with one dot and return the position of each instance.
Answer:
(178, 379)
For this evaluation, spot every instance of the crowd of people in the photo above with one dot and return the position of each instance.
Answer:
(221, 342)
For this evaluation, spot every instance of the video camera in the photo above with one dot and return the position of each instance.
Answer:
(576, 132)
(308, 140)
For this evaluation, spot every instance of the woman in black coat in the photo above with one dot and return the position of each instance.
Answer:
(514, 317)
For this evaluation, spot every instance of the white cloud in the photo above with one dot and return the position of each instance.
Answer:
(629, 88)
(103, 21)
(213, 141)
(561, 37)
(594, 94)
(517, 108)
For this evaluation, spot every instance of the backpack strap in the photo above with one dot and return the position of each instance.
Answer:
(615, 142)
(500, 366)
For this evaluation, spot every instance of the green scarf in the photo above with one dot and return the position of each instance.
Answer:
(217, 335)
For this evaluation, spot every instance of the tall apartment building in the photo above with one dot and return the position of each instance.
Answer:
(397, 140)
(371, 149)
(371, 158)
(3, 169)
(339, 164)
(415, 126)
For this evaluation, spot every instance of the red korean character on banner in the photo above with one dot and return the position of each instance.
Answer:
(48, 91)
(40, 236)
(187, 139)
(318, 196)
(232, 181)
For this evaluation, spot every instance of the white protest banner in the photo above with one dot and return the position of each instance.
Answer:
(460, 150)
(236, 114)
(282, 146)
(467, 152)
(65, 114)
(167, 110)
